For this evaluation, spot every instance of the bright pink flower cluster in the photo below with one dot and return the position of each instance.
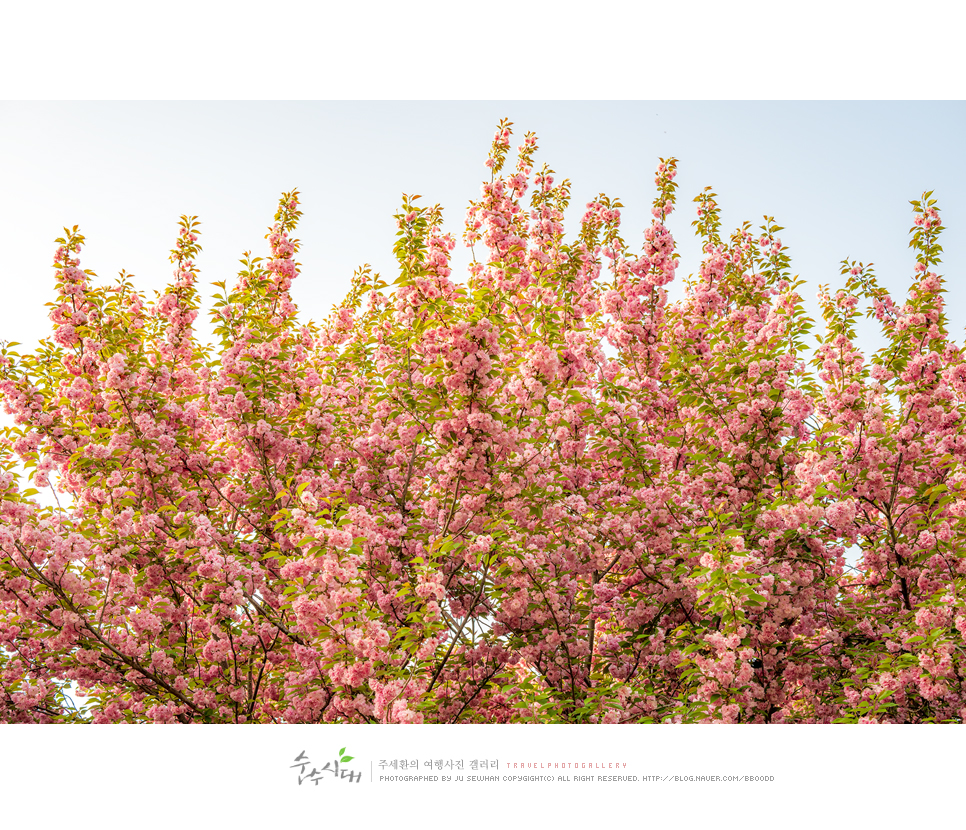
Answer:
(544, 494)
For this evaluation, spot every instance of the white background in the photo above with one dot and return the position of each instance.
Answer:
(62, 165)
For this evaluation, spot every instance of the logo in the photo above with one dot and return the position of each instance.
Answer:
(336, 768)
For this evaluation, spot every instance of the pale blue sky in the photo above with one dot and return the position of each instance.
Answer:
(837, 175)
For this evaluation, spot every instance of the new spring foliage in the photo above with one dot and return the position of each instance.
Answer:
(540, 493)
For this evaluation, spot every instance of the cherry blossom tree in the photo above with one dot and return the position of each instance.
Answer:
(541, 494)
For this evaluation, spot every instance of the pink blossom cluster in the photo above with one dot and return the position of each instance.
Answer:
(545, 493)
